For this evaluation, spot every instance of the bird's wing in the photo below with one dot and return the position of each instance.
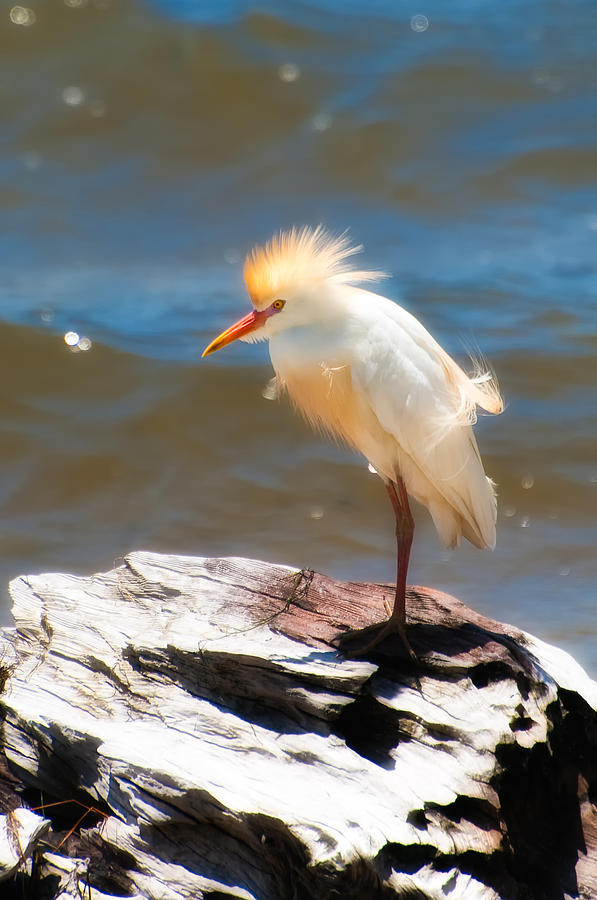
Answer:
(481, 389)
(421, 398)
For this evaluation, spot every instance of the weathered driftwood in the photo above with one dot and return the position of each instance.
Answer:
(229, 750)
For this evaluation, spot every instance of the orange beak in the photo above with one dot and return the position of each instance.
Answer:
(253, 320)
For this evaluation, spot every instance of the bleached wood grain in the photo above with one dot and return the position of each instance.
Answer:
(204, 703)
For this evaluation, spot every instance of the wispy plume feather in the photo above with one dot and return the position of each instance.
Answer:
(477, 390)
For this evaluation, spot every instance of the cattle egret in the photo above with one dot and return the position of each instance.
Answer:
(363, 369)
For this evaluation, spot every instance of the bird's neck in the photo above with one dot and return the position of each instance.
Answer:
(308, 347)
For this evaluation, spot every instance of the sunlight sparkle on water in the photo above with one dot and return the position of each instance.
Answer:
(419, 23)
(77, 342)
(540, 75)
(288, 72)
(73, 95)
(543, 77)
(321, 122)
(22, 15)
(231, 256)
(97, 109)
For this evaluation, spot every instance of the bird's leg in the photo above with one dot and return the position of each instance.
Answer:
(405, 527)
(404, 536)
(397, 618)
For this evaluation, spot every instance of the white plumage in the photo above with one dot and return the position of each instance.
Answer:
(362, 368)
(374, 377)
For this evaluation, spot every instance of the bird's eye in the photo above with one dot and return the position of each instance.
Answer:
(278, 304)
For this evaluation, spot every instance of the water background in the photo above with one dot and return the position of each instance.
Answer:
(145, 148)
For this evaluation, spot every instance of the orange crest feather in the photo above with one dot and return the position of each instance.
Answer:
(300, 256)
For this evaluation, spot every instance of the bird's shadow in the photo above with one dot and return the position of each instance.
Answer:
(452, 650)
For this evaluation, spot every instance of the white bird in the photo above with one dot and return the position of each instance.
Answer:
(362, 368)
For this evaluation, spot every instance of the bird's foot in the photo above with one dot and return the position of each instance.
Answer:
(358, 643)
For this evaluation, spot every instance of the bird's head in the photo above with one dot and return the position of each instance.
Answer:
(293, 280)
